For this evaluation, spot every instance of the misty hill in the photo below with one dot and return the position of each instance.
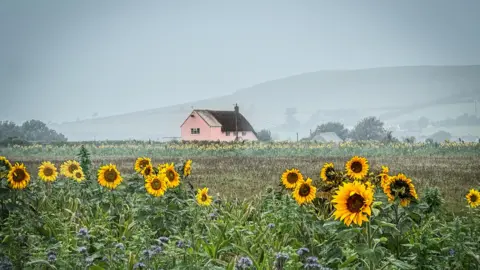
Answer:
(344, 95)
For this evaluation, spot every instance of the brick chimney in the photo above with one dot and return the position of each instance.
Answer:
(236, 121)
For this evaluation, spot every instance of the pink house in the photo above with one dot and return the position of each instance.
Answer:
(208, 125)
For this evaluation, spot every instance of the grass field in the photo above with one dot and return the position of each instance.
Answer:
(256, 221)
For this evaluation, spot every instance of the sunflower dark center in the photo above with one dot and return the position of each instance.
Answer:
(148, 171)
(356, 166)
(78, 174)
(19, 175)
(304, 190)
(473, 198)
(204, 197)
(156, 184)
(170, 175)
(330, 173)
(110, 175)
(355, 203)
(401, 189)
(143, 163)
(72, 168)
(48, 172)
(292, 178)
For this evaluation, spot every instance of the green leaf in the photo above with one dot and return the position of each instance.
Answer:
(348, 261)
(387, 224)
(401, 264)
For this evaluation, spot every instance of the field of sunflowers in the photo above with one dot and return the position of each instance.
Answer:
(141, 205)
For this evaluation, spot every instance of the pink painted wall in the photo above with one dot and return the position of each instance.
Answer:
(195, 122)
(222, 136)
(208, 133)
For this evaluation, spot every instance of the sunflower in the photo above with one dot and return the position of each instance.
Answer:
(473, 198)
(353, 203)
(68, 167)
(384, 176)
(291, 177)
(5, 167)
(304, 191)
(155, 185)
(171, 175)
(327, 173)
(18, 177)
(109, 176)
(357, 167)
(203, 198)
(147, 171)
(187, 168)
(141, 163)
(78, 175)
(47, 172)
(402, 187)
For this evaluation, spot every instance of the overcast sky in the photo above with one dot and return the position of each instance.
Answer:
(60, 60)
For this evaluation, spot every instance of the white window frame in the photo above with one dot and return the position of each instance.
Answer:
(195, 131)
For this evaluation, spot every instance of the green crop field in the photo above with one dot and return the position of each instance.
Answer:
(252, 219)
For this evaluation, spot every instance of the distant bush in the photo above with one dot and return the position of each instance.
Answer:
(30, 131)
(368, 129)
(264, 135)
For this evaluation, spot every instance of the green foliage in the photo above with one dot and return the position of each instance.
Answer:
(69, 225)
(336, 127)
(264, 135)
(85, 161)
(369, 128)
(32, 130)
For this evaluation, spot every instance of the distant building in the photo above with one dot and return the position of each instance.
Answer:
(327, 137)
(209, 125)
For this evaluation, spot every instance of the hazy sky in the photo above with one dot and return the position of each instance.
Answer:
(60, 60)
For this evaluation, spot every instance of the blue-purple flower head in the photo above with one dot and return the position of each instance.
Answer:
(147, 253)
(244, 263)
(120, 246)
(451, 252)
(163, 240)
(271, 226)
(312, 263)
(51, 256)
(281, 259)
(156, 249)
(139, 265)
(83, 232)
(302, 251)
(82, 249)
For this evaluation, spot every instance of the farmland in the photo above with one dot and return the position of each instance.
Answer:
(252, 219)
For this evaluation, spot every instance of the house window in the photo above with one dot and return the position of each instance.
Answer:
(195, 130)
(244, 133)
(227, 133)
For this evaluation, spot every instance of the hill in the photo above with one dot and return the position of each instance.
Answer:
(341, 95)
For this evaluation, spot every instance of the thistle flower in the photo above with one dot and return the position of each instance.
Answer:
(280, 259)
(163, 239)
(244, 263)
(83, 232)
(139, 265)
(302, 251)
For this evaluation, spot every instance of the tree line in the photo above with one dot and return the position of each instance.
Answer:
(369, 128)
(29, 131)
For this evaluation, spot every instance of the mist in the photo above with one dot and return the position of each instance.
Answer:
(63, 62)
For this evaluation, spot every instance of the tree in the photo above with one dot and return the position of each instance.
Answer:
(264, 135)
(32, 130)
(336, 127)
(369, 128)
(441, 136)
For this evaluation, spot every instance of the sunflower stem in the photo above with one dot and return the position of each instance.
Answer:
(370, 244)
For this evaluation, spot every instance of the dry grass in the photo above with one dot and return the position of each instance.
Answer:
(245, 177)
